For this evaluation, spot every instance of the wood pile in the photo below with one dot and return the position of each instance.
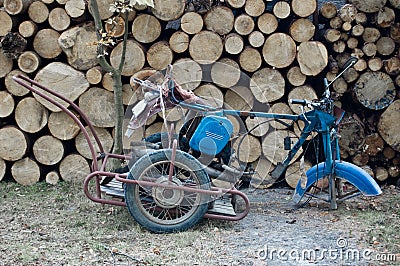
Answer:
(245, 55)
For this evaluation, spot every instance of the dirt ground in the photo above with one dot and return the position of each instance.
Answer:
(58, 225)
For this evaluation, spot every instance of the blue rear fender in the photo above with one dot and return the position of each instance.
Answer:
(344, 170)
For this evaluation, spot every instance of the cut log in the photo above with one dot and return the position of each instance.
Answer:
(392, 66)
(168, 9)
(219, 19)
(352, 43)
(159, 55)
(332, 35)
(273, 149)
(295, 77)
(315, 50)
(30, 115)
(13, 87)
(302, 30)
(361, 64)
(75, 8)
(107, 82)
(77, 44)
(117, 28)
(296, 171)
(279, 50)
(254, 8)
(395, 3)
(385, 17)
(267, 85)
(233, 43)
(38, 12)
(256, 39)
(134, 59)
(225, 73)
(127, 93)
(74, 168)
(248, 148)
(26, 172)
(82, 145)
(154, 128)
(281, 9)
(280, 108)
(146, 28)
(143, 74)
(236, 3)
(13, 143)
(371, 34)
(353, 135)
(48, 150)
(351, 75)
(340, 86)
(59, 76)
(375, 64)
(239, 98)
(3, 168)
(29, 61)
(206, 47)
(192, 23)
(179, 42)
(387, 126)
(46, 44)
(211, 94)
(250, 59)
(101, 115)
(59, 19)
(368, 6)
(6, 23)
(370, 49)
(244, 24)
(6, 104)
(304, 8)
(187, 73)
(385, 46)
(13, 44)
(374, 144)
(339, 46)
(262, 179)
(62, 126)
(335, 23)
(267, 23)
(104, 8)
(15, 7)
(258, 126)
(375, 90)
(328, 10)
(303, 92)
(395, 32)
(348, 13)
(394, 171)
(94, 75)
(27, 28)
(6, 65)
(52, 178)
(381, 173)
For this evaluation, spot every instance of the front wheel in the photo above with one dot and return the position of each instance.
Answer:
(160, 209)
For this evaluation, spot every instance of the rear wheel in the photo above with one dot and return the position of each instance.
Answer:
(160, 209)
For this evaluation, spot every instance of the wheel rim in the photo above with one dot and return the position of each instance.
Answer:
(167, 206)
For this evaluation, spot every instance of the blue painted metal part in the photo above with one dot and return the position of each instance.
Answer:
(347, 171)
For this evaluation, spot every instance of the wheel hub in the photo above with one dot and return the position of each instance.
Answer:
(166, 197)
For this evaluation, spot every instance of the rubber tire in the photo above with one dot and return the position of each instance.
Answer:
(132, 197)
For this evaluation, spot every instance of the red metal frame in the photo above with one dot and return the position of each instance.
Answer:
(98, 171)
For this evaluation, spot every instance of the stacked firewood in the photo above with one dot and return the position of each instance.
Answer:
(370, 31)
(246, 55)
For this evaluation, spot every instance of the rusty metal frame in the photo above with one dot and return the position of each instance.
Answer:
(98, 169)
